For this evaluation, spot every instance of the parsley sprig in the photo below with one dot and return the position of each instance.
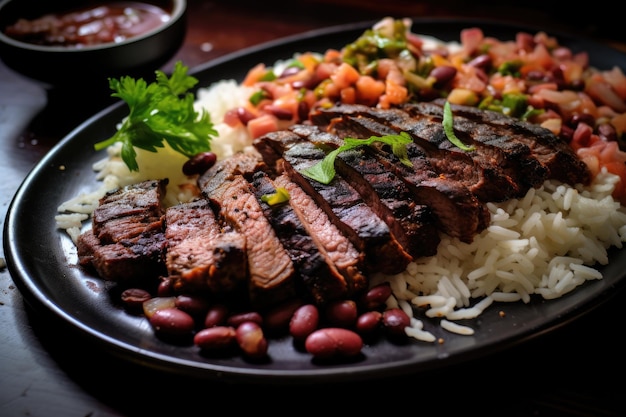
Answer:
(162, 111)
(324, 171)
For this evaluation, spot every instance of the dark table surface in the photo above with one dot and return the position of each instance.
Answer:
(576, 369)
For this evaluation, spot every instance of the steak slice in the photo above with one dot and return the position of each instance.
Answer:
(271, 271)
(130, 211)
(412, 224)
(200, 255)
(126, 240)
(128, 260)
(328, 264)
(448, 199)
(484, 181)
(554, 155)
(341, 202)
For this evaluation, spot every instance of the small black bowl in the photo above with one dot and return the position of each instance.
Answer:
(71, 65)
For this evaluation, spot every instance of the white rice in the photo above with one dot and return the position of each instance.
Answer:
(544, 244)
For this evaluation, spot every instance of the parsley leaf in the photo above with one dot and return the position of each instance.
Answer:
(324, 171)
(160, 111)
(448, 128)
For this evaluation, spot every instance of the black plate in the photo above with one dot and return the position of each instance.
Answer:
(42, 259)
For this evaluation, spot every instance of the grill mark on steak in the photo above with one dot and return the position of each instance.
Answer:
(555, 155)
(319, 278)
(484, 182)
(271, 271)
(412, 224)
(486, 179)
(512, 155)
(200, 255)
(130, 211)
(345, 262)
(448, 199)
(126, 241)
(341, 202)
(123, 261)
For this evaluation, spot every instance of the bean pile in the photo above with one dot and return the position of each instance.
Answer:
(335, 330)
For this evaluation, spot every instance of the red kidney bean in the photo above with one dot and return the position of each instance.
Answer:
(369, 322)
(216, 315)
(303, 111)
(134, 297)
(236, 319)
(279, 112)
(395, 320)
(304, 321)
(607, 132)
(195, 305)
(333, 342)
(443, 74)
(251, 339)
(481, 61)
(199, 163)
(276, 320)
(215, 338)
(244, 115)
(165, 288)
(376, 296)
(341, 313)
(578, 118)
(172, 322)
(289, 71)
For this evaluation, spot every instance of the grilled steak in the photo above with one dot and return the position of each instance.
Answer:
(126, 240)
(344, 277)
(130, 211)
(484, 182)
(376, 215)
(200, 254)
(270, 268)
(412, 224)
(554, 155)
(340, 201)
(512, 154)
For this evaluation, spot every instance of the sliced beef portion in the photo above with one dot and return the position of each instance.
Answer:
(271, 270)
(335, 246)
(201, 255)
(554, 155)
(483, 181)
(339, 272)
(480, 173)
(126, 240)
(448, 199)
(127, 260)
(130, 211)
(341, 202)
(412, 224)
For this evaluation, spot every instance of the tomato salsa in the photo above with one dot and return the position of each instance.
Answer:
(103, 23)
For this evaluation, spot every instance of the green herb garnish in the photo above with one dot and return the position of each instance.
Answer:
(280, 196)
(448, 128)
(324, 171)
(258, 96)
(160, 111)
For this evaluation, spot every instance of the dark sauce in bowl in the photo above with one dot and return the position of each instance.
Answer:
(109, 22)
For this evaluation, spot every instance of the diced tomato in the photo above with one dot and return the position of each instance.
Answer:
(345, 76)
(254, 75)
(348, 95)
(261, 125)
(369, 90)
(471, 38)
